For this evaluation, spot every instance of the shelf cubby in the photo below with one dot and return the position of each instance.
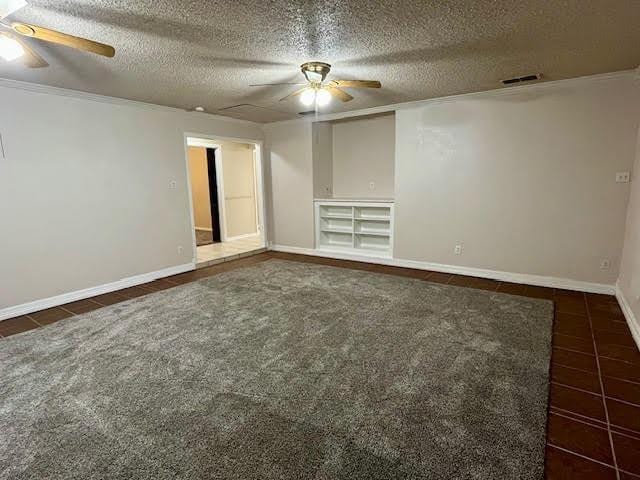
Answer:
(372, 213)
(362, 228)
(368, 226)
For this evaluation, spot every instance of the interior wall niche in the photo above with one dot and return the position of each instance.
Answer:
(354, 157)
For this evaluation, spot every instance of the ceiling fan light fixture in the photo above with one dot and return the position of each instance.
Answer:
(314, 77)
(308, 97)
(10, 49)
(315, 72)
(323, 97)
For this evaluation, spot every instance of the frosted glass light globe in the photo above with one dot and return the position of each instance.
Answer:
(10, 49)
(308, 97)
(323, 97)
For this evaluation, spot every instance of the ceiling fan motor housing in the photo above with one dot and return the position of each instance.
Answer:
(315, 72)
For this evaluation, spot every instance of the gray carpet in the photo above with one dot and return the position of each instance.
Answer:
(283, 370)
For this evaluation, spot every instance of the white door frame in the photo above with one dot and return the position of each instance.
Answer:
(212, 141)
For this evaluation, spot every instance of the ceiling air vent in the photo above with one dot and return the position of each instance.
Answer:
(308, 112)
(526, 78)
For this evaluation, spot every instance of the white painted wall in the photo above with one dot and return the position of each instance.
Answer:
(290, 165)
(84, 190)
(363, 153)
(322, 159)
(629, 281)
(524, 180)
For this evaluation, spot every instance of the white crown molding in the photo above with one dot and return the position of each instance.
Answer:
(94, 97)
(37, 305)
(632, 321)
(524, 278)
(500, 91)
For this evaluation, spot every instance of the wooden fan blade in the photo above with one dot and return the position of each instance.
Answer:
(339, 94)
(294, 94)
(53, 36)
(272, 84)
(358, 83)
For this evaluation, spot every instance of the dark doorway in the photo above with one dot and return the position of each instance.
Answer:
(213, 193)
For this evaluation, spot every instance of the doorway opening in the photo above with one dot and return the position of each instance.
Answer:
(225, 183)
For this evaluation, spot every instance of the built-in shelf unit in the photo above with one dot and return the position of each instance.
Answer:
(358, 227)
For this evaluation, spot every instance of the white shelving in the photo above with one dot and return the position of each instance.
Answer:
(363, 228)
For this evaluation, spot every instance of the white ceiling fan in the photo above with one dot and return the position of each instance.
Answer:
(14, 46)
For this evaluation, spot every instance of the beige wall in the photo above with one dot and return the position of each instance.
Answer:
(199, 175)
(86, 184)
(363, 153)
(629, 281)
(524, 180)
(322, 159)
(290, 166)
(239, 189)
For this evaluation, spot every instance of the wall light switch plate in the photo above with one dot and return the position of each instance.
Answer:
(605, 264)
(457, 249)
(372, 185)
(173, 184)
(622, 177)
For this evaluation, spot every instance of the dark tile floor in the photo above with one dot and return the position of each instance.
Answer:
(594, 413)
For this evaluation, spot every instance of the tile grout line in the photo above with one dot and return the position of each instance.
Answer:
(622, 401)
(579, 420)
(575, 388)
(604, 399)
(586, 419)
(584, 457)
(573, 350)
(573, 368)
(596, 394)
(627, 433)
(34, 320)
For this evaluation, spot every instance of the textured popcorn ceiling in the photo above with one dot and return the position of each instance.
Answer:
(187, 53)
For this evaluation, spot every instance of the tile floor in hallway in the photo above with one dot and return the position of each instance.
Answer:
(207, 255)
(593, 427)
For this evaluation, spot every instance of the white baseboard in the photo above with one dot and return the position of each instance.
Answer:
(36, 305)
(204, 229)
(538, 280)
(634, 325)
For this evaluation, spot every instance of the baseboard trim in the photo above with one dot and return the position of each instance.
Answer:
(632, 321)
(36, 305)
(204, 229)
(538, 280)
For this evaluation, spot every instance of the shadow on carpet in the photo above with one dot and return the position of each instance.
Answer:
(283, 370)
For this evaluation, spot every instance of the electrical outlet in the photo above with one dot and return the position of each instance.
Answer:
(605, 264)
(457, 249)
(180, 249)
(372, 185)
(622, 177)
(173, 184)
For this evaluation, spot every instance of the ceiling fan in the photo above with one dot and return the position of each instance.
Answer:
(319, 91)
(13, 46)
